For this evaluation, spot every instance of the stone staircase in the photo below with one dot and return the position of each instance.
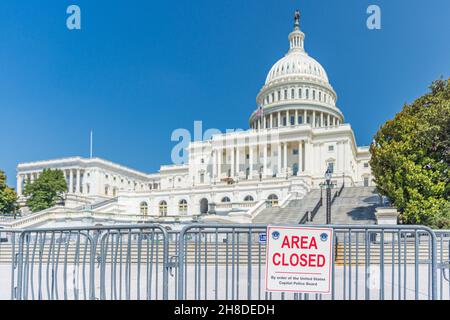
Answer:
(292, 213)
(355, 205)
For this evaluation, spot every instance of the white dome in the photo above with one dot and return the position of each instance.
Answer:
(296, 63)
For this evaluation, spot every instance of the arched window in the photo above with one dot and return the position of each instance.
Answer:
(182, 206)
(248, 198)
(143, 208)
(225, 199)
(273, 199)
(163, 208)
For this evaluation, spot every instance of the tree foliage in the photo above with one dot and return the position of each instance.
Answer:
(411, 158)
(46, 190)
(8, 196)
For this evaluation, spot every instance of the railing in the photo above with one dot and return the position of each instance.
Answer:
(309, 216)
(337, 193)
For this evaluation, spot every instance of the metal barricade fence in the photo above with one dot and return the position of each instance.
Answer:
(370, 262)
(206, 261)
(110, 262)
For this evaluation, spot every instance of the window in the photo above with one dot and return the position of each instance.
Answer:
(284, 121)
(330, 166)
(307, 93)
(106, 190)
(285, 95)
(331, 148)
(292, 93)
(299, 93)
(202, 160)
(143, 208)
(300, 119)
(292, 120)
(225, 199)
(248, 198)
(366, 181)
(314, 94)
(88, 189)
(163, 208)
(366, 164)
(182, 206)
(273, 200)
(202, 178)
(295, 152)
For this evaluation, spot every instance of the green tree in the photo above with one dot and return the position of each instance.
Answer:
(8, 196)
(411, 158)
(46, 190)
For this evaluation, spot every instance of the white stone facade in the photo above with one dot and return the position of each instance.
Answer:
(296, 133)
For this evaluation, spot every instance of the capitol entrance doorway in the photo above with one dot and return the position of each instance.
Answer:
(204, 206)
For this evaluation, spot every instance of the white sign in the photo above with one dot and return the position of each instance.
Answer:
(299, 259)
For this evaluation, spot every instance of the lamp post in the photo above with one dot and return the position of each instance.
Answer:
(328, 186)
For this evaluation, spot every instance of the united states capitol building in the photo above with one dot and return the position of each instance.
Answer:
(295, 135)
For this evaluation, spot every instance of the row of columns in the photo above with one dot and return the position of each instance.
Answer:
(261, 123)
(22, 179)
(235, 152)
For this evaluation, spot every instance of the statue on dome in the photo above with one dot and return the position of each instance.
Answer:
(297, 18)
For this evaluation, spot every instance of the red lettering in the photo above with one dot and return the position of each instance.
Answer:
(293, 260)
(273, 259)
(285, 242)
(320, 260)
(295, 241)
(303, 260)
(313, 243)
(303, 242)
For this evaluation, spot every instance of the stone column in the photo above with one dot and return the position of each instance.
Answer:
(308, 157)
(78, 182)
(70, 189)
(313, 119)
(300, 152)
(321, 119)
(265, 160)
(279, 119)
(214, 164)
(19, 184)
(296, 117)
(305, 115)
(285, 164)
(328, 120)
(279, 159)
(232, 162)
(271, 120)
(250, 160)
(219, 163)
(237, 157)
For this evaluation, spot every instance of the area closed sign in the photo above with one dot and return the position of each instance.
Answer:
(299, 259)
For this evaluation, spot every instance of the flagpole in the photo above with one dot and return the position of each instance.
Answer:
(91, 141)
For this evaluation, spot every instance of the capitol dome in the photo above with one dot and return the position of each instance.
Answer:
(295, 64)
(296, 91)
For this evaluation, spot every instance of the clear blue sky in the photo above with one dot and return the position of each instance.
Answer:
(140, 69)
